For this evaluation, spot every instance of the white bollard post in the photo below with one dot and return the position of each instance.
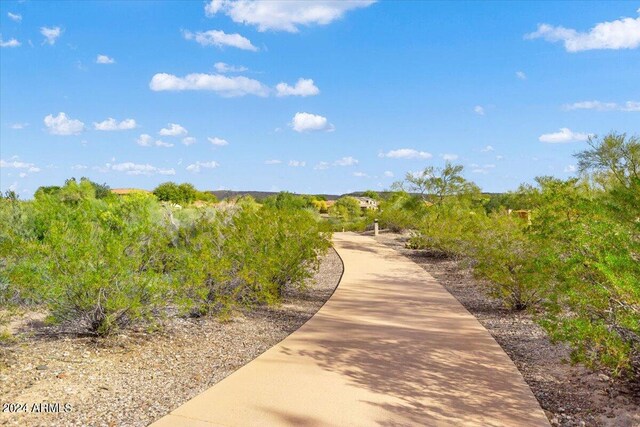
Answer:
(375, 227)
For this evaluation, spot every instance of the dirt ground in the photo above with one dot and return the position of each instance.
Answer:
(570, 395)
(136, 377)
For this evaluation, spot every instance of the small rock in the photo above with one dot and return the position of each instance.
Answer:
(603, 377)
(61, 375)
(42, 367)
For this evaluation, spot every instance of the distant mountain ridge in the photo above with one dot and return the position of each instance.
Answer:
(260, 195)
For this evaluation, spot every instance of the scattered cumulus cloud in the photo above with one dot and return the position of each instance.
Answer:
(9, 43)
(346, 161)
(521, 75)
(63, 125)
(218, 142)
(112, 124)
(189, 140)
(222, 68)
(322, 166)
(197, 166)
(406, 153)
(220, 39)
(449, 157)
(131, 168)
(623, 33)
(360, 174)
(388, 174)
(173, 129)
(571, 169)
(16, 164)
(297, 163)
(303, 87)
(484, 169)
(307, 122)
(562, 136)
(160, 143)
(104, 59)
(14, 16)
(478, 110)
(212, 7)
(223, 85)
(50, 34)
(272, 162)
(19, 126)
(603, 106)
(79, 167)
(487, 149)
(283, 15)
(144, 140)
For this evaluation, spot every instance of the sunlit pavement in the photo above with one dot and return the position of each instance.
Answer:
(391, 347)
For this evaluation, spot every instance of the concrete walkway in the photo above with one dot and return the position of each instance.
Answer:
(391, 347)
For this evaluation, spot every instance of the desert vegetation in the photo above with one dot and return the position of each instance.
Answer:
(96, 262)
(567, 250)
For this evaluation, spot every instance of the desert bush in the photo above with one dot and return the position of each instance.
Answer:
(246, 257)
(516, 269)
(402, 211)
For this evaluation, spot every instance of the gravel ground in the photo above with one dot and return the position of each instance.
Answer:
(136, 378)
(570, 395)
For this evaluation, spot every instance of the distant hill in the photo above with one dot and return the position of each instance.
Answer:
(260, 195)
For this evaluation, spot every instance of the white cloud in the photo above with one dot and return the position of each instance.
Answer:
(139, 169)
(16, 164)
(322, 166)
(487, 149)
(272, 162)
(449, 156)
(484, 169)
(219, 142)
(499, 157)
(297, 163)
(304, 122)
(284, 15)
(478, 110)
(19, 126)
(562, 136)
(112, 124)
(9, 43)
(221, 67)
(360, 174)
(303, 87)
(219, 38)
(521, 75)
(406, 153)
(571, 169)
(195, 167)
(50, 34)
(388, 174)
(79, 167)
(144, 140)
(189, 140)
(63, 125)
(160, 143)
(346, 161)
(14, 16)
(603, 106)
(622, 33)
(225, 86)
(104, 59)
(173, 129)
(213, 7)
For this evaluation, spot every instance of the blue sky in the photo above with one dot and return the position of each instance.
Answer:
(312, 97)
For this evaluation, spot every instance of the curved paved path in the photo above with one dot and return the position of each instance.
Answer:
(391, 347)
